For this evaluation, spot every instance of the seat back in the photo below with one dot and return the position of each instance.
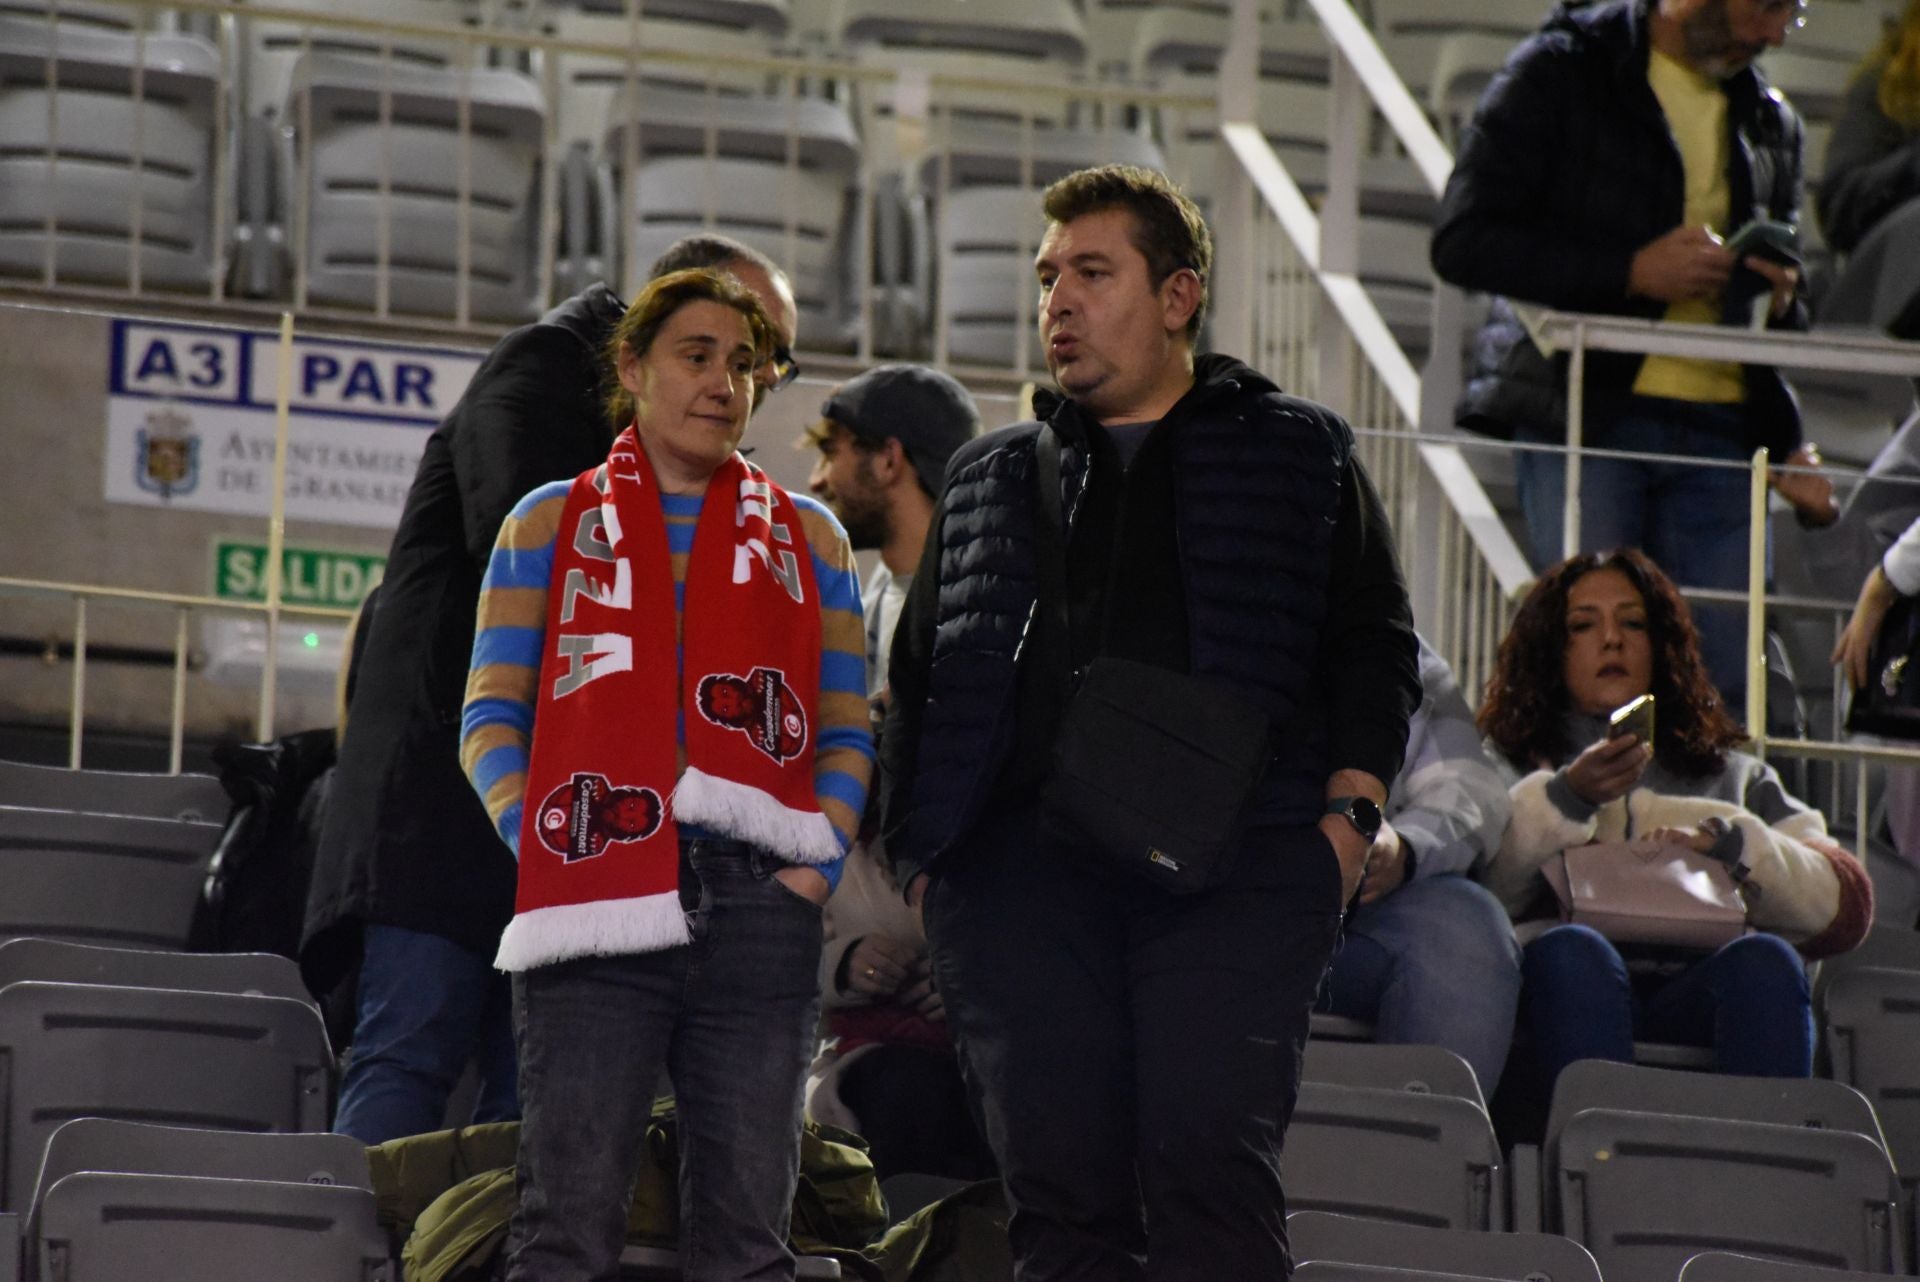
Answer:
(1813, 1103)
(775, 172)
(99, 1226)
(103, 879)
(1724, 1266)
(114, 792)
(216, 1060)
(415, 154)
(1645, 1192)
(58, 962)
(1421, 1070)
(1873, 1040)
(84, 153)
(1513, 1257)
(1394, 1155)
(1328, 1271)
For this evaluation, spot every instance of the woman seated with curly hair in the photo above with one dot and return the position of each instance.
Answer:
(1596, 632)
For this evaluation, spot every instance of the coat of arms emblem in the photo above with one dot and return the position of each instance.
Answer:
(167, 454)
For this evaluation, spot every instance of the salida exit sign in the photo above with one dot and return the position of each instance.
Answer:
(308, 576)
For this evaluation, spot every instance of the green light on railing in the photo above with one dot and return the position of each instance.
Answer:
(313, 640)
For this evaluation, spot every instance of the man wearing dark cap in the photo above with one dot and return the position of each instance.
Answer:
(884, 440)
(888, 1071)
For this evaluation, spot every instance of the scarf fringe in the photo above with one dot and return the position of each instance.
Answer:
(600, 928)
(755, 817)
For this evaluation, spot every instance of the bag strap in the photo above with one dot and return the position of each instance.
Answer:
(1050, 535)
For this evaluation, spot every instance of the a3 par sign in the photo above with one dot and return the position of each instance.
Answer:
(190, 421)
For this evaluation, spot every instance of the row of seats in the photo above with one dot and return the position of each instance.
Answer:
(1642, 1168)
(351, 154)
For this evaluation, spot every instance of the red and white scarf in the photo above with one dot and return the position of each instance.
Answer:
(599, 849)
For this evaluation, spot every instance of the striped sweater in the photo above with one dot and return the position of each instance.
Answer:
(510, 635)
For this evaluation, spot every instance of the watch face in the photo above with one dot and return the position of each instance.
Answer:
(1365, 815)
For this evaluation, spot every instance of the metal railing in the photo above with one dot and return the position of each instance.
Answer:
(900, 119)
(273, 610)
(1303, 313)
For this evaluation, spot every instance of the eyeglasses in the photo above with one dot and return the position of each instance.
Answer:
(785, 369)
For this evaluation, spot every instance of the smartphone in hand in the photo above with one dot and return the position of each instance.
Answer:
(1777, 242)
(1634, 718)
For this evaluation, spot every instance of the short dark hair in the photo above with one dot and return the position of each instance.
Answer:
(664, 296)
(711, 251)
(1168, 229)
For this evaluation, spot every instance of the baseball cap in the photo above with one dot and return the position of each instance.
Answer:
(930, 413)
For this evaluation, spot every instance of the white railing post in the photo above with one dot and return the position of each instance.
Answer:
(1757, 604)
(1576, 434)
(1233, 285)
(276, 529)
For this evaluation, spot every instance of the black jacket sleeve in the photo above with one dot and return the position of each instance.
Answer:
(909, 666)
(1369, 659)
(1873, 167)
(1494, 231)
(530, 416)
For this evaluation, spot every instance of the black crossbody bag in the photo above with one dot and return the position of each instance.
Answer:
(1153, 770)
(1889, 704)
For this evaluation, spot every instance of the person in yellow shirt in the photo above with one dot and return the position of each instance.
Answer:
(1605, 169)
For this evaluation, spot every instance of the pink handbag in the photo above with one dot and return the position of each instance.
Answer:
(1647, 892)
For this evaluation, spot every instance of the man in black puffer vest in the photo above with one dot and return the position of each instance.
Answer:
(1604, 167)
(1127, 1043)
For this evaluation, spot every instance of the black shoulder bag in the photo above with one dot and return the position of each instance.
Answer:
(1153, 769)
(1889, 704)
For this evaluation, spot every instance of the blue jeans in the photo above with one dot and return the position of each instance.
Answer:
(1691, 520)
(426, 1007)
(731, 1016)
(1749, 1002)
(1434, 963)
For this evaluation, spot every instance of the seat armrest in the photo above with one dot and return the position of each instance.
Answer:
(1523, 1190)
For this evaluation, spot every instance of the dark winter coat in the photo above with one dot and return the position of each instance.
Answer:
(405, 841)
(1567, 170)
(1243, 543)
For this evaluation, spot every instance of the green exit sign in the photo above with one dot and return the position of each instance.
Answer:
(308, 576)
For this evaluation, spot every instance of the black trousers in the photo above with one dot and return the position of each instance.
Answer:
(1135, 1054)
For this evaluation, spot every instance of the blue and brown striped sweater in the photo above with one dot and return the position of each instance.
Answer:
(510, 638)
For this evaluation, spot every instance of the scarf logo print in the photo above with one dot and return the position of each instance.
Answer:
(759, 705)
(585, 815)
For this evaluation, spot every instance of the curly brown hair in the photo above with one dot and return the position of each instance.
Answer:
(1524, 711)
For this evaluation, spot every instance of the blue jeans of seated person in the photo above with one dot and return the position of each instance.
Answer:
(1749, 1002)
(1433, 963)
(731, 1015)
(1691, 520)
(426, 1007)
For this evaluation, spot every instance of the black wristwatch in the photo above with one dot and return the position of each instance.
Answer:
(1360, 812)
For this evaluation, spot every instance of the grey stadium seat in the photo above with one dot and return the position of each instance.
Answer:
(216, 1060)
(1724, 1266)
(114, 792)
(1873, 1039)
(1394, 1155)
(1592, 1083)
(1422, 1070)
(1328, 1271)
(58, 962)
(1511, 1257)
(349, 153)
(85, 156)
(1645, 1192)
(98, 1226)
(103, 879)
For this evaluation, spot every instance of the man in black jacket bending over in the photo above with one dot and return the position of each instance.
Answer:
(1609, 160)
(1128, 1043)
